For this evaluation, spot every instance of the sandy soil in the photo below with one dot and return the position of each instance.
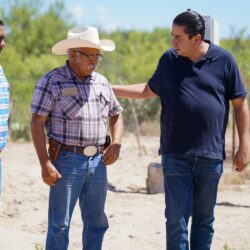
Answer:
(136, 218)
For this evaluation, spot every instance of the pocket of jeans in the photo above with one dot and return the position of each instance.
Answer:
(64, 155)
(101, 167)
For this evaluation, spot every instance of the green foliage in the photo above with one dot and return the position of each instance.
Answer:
(32, 31)
(38, 247)
(135, 59)
(31, 34)
(240, 48)
(226, 247)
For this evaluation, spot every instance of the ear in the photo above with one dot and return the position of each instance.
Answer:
(197, 39)
(72, 55)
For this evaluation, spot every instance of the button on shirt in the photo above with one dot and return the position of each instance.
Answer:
(77, 110)
(4, 108)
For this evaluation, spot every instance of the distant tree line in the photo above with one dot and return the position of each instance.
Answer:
(32, 32)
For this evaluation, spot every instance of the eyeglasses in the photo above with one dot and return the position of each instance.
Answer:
(90, 57)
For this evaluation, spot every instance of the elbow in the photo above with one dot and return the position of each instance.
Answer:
(116, 119)
(37, 122)
(33, 122)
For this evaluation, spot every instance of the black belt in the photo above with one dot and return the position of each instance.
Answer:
(86, 150)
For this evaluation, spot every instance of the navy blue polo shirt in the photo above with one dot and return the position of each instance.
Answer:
(195, 101)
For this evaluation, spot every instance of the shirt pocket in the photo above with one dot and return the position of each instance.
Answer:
(71, 106)
(65, 107)
(104, 100)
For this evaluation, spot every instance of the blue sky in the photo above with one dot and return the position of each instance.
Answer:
(148, 14)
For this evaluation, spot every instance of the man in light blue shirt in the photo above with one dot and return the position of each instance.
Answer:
(4, 101)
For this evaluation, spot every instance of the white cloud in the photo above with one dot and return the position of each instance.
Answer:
(77, 12)
(105, 22)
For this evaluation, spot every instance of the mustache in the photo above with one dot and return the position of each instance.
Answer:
(92, 66)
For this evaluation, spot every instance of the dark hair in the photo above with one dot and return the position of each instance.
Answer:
(192, 21)
(1, 23)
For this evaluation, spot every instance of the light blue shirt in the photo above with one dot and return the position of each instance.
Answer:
(4, 108)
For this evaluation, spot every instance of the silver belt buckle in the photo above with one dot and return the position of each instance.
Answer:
(90, 151)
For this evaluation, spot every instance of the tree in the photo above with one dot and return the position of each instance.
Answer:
(31, 34)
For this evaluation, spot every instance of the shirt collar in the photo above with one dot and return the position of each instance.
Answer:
(69, 74)
(207, 57)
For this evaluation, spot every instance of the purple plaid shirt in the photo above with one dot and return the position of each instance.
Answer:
(77, 110)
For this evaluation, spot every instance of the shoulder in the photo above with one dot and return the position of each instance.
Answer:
(168, 56)
(52, 76)
(221, 53)
(222, 58)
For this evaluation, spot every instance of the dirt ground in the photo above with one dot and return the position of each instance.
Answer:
(136, 218)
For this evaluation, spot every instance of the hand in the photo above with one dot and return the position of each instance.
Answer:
(111, 153)
(50, 174)
(241, 159)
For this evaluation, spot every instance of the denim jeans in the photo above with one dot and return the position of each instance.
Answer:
(191, 185)
(85, 179)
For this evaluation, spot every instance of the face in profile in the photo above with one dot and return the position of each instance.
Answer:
(85, 60)
(181, 42)
(2, 36)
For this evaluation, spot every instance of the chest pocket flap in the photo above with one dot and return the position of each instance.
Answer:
(66, 106)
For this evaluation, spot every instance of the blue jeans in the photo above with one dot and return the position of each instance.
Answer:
(191, 184)
(84, 178)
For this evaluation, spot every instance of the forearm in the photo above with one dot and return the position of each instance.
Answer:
(137, 91)
(242, 123)
(39, 139)
(116, 128)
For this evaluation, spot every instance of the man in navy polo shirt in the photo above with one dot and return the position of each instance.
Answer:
(195, 81)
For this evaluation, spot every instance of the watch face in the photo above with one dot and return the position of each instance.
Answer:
(90, 150)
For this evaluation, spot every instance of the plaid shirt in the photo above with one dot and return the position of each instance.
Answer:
(77, 110)
(4, 108)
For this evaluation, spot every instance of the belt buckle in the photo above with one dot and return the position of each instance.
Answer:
(90, 151)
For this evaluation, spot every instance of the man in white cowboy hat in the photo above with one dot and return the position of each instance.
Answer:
(73, 103)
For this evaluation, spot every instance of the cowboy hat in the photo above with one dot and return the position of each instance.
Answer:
(82, 36)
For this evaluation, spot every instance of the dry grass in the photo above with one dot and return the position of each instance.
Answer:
(233, 179)
(150, 128)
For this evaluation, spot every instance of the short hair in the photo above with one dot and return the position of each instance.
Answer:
(1, 23)
(192, 21)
